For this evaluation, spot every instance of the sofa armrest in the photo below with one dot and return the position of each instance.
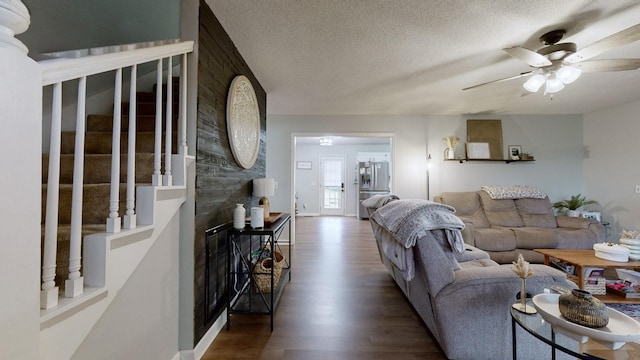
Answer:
(480, 299)
(574, 222)
(468, 232)
(582, 223)
(471, 253)
(498, 275)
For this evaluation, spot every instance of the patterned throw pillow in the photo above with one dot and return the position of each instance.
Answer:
(513, 192)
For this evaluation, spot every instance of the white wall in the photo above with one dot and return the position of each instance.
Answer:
(20, 166)
(611, 165)
(142, 320)
(555, 141)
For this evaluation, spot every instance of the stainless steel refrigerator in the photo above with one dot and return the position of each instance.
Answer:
(373, 179)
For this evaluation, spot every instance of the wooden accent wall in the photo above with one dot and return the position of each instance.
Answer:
(220, 181)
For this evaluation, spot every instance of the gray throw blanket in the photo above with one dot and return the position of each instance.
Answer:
(410, 219)
(377, 201)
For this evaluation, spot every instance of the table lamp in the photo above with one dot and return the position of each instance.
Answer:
(263, 188)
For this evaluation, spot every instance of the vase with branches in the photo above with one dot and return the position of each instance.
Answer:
(450, 142)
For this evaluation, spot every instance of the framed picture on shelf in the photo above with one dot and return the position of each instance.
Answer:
(514, 152)
(303, 165)
(478, 150)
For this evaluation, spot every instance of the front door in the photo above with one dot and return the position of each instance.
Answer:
(332, 186)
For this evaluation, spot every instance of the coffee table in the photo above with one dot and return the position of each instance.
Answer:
(587, 258)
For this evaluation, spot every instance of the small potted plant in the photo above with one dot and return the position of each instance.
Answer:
(526, 156)
(572, 205)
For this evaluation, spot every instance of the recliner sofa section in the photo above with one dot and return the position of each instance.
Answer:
(505, 228)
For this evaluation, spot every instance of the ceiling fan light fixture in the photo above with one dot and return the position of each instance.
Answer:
(568, 74)
(534, 83)
(553, 85)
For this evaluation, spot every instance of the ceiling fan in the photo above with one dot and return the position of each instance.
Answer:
(557, 64)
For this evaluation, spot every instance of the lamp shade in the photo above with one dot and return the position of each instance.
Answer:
(263, 187)
(534, 83)
(568, 74)
(553, 85)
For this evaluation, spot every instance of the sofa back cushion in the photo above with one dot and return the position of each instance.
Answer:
(467, 205)
(500, 212)
(536, 213)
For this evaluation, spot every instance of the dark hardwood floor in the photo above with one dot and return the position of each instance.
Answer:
(340, 304)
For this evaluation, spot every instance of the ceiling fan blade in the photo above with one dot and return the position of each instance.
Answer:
(500, 80)
(609, 65)
(618, 39)
(530, 57)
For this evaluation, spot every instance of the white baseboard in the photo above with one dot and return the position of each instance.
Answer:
(301, 214)
(183, 355)
(208, 338)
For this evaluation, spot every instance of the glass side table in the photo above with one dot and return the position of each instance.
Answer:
(535, 325)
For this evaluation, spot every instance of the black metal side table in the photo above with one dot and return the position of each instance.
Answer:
(244, 296)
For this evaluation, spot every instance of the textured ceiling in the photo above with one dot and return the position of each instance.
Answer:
(402, 57)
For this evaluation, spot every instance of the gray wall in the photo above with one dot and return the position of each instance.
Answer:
(611, 169)
(555, 141)
(69, 25)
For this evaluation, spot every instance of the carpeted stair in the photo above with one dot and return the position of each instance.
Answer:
(97, 170)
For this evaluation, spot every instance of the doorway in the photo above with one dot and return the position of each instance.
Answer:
(307, 182)
(332, 179)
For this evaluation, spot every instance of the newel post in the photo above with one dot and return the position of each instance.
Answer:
(14, 19)
(20, 186)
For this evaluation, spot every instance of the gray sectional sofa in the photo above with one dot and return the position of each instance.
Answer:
(463, 296)
(506, 227)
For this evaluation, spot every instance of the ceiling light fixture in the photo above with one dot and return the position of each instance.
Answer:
(535, 82)
(326, 142)
(554, 80)
(553, 85)
(568, 74)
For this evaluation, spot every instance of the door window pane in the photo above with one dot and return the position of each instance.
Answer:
(332, 173)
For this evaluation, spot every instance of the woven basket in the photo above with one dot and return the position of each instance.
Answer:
(262, 273)
(582, 308)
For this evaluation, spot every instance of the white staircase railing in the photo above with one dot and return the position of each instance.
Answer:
(60, 70)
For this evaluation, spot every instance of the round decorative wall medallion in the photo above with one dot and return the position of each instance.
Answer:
(243, 122)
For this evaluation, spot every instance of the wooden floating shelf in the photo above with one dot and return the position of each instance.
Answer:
(507, 161)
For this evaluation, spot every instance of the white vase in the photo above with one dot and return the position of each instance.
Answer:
(257, 217)
(238, 216)
(573, 213)
(450, 153)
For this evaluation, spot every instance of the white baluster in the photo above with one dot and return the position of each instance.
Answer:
(49, 293)
(14, 19)
(168, 177)
(73, 286)
(114, 222)
(130, 214)
(182, 148)
(157, 175)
